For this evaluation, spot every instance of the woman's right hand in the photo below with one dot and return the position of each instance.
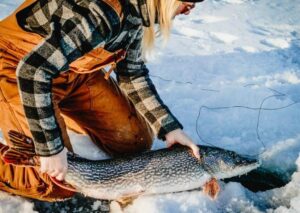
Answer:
(56, 165)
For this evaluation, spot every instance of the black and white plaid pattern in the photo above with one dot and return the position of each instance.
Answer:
(71, 29)
(133, 78)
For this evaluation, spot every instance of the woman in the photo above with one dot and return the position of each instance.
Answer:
(52, 55)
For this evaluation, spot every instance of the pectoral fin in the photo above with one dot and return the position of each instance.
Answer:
(212, 188)
(128, 199)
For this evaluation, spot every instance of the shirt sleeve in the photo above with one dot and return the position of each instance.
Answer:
(70, 37)
(133, 78)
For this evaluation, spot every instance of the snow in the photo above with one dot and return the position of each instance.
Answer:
(237, 61)
(14, 204)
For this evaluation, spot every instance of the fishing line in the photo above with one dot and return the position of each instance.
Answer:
(244, 107)
(181, 82)
(164, 79)
(259, 109)
(258, 119)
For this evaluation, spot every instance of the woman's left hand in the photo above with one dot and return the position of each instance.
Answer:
(178, 136)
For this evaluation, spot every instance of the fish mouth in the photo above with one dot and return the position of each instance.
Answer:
(247, 166)
(250, 161)
(254, 165)
(243, 167)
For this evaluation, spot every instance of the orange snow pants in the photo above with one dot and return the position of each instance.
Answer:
(85, 103)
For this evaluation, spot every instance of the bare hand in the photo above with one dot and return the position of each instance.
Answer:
(56, 165)
(178, 136)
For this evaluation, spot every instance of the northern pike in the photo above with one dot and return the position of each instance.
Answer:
(153, 172)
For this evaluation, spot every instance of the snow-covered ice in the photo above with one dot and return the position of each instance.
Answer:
(239, 61)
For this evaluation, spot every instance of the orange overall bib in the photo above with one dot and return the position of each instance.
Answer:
(84, 101)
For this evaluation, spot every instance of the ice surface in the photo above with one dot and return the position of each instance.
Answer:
(240, 59)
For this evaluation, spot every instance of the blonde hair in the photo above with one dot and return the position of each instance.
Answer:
(165, 11)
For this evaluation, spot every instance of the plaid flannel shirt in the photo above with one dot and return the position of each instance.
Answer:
(72, 28)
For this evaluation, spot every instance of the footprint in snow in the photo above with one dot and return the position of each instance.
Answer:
(188, 32)
(260, 31)
(276, 43)
(231, 1)
(208, 19)
(248, 49)
(223, 37)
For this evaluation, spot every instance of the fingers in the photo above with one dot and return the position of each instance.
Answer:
(194, 148)
(195, 151)
(178, 136)
(60, 176)
(53, 173)
(55, 166)
(188, 142)
(169, 144)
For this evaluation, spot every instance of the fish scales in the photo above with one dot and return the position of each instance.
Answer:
(154, 172)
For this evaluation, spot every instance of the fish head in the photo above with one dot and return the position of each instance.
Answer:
(222, 163)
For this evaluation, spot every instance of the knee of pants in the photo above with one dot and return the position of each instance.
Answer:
(126, 140)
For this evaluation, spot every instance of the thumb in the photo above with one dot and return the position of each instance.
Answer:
(170, 143)
(196, 150)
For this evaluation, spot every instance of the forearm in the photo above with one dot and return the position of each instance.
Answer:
(36, 97)
(69, 39)
(142, 93)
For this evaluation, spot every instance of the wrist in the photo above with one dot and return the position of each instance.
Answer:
(55, 152)
(168, 129)
(171, 133)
